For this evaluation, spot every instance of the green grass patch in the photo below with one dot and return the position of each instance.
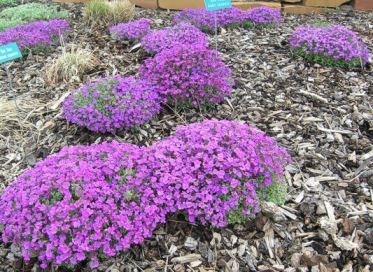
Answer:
(8, 3)
(27, 13)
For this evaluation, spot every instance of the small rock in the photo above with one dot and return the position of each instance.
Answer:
(190, 243)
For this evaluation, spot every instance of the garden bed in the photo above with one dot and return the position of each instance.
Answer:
(323, 116)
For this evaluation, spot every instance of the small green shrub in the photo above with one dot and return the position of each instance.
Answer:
(8, 3)
(27, 13)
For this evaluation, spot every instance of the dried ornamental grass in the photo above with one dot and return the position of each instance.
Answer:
(72, 64)
(108, 12)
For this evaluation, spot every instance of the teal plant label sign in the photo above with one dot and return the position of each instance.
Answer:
(217, 4)
(9, 52)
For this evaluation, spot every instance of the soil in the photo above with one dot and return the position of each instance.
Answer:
(323, 116)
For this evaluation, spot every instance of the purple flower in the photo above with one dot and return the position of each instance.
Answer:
(189, 74)
(114, 103)
(209, 20)
(181, 34)
(133, 30)
(334, 41)
(40, 33)
(264, 16)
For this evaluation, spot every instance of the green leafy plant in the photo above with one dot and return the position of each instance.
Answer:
(8, 3)
(27, 13)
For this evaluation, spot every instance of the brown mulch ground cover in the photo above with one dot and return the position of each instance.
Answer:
(323, 116)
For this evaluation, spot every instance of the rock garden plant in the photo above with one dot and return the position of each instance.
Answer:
(113, 103)
(132, 31)
(188, 75)
(89, 203)
(181, 34)
(8, 3)
(332, 45)
(30, 12)
(205, 20)
(109, 12)
(262, 17)
(36, 35)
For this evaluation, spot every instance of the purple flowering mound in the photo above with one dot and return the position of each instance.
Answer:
(36, 34)
(133, 30)
(109, 104)
(80, 204)
(180, 34)
(205, 20)
(215, 170)
(264, 16)
(189, 75)
(333, 45)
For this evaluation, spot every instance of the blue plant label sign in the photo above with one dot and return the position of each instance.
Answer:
(9, 52)
(217, 4)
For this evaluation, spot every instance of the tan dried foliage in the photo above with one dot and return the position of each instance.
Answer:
(108, 12)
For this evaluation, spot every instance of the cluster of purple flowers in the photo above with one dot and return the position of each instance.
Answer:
(209, 20)
(214, 168)
(78, 204)
(134, 30)
(264, 16)
(114, 103)
(180, 34)
(188, 75)
(40, 33)
(335, 41)
(87, 201)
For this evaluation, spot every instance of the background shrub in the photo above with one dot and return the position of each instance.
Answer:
(188, 75)
(264, 16)
(26, 13)
(205, 20)
(217, 171)
(73, 63)
(8, 3)
(133, 30)
(114, 103)
(83, 203)
(333, 45)
(33, 35)
(109, 12)
(181, 34)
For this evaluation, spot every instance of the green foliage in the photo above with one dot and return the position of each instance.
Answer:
(27, 13)
(326, 60)
(320, 23)
(8, 3)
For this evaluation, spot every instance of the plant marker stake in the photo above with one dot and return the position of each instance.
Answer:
(9, 52)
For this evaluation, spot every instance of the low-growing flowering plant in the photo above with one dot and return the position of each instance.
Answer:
(263, 16)
(80, 204)
(205, 20)
(36, 34)
(188, 75)
(109, 104)
(332, 45)
(88, 202)
(215, 169)
(180, 34)
(134, 30)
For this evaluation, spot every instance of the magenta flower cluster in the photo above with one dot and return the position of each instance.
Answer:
(134, 30)
(78, 204)
(335, 41)
(88, 201)
(264, 16)
(214, 168)
(114, 103)
(40, 33)
(188, 75)
(180, 34)
(205, 20)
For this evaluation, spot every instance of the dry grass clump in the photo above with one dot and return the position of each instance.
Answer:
(103, 11)
(71, 65)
